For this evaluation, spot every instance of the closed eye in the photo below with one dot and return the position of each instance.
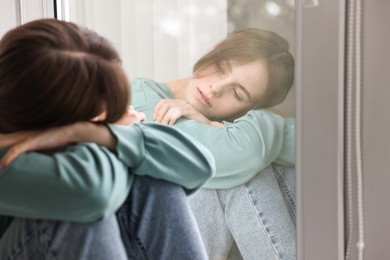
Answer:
(241, 94)
(237, 95)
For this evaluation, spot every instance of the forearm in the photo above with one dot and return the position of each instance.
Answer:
(94, 133)
(243, 148)
(168, 154)
(287, 155)
(156, 150)
(84, 183)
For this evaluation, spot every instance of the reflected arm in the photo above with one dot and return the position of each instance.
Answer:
(241, 149)
(245, 147)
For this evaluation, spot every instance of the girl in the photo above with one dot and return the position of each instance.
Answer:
(59, 204)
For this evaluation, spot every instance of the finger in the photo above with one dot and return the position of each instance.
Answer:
(171, 116)
(157, 107)
(141, 117)
(157, 113)
(164, 105)
(175, 115)
(172, 121)
(37, 141)
(12, 153)
(160, 111)
(7, 140)
(165, 119)
(131, 116)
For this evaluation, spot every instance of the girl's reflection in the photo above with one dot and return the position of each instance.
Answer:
(226, 105)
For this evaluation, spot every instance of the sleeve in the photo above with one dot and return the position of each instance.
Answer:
(165, 153)
(83, 183)
(286, 156)
(243, 148)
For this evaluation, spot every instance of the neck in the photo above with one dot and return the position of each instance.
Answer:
(179, 87)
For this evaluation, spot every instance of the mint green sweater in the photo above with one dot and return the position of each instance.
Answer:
(86, 182)
(241, 149)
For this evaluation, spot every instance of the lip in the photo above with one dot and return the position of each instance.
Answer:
(202, 98)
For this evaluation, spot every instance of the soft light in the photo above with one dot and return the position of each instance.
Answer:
(272, 8)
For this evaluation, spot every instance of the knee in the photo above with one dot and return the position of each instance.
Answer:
(157, 188)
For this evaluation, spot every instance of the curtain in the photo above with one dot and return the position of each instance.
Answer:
(160, 39)
(17, 12)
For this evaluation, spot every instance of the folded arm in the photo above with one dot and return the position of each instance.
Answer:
(245, 147)
(82, 183)
(155, 150)
(170, 154)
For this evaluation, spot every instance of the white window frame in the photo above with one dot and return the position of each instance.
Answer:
(17, 12)
(320, 129)
(320, 109)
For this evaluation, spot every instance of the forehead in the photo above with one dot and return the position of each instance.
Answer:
(253, 76)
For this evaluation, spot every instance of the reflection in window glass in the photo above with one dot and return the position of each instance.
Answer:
(275, 15)
(248, 210)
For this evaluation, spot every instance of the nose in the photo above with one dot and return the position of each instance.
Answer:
(216, 89)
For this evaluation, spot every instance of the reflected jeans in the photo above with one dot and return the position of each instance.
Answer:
(155, 222)
(255, 220)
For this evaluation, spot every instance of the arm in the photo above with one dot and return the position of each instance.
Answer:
(241, 149)
(148, 149)
(245, 147)
(168, 111)
(286, 156)
(169, 154)
(83, 183)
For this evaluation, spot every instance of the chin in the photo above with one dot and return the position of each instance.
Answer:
(198, 106)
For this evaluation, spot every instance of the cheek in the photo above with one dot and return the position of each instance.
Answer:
(227, 108)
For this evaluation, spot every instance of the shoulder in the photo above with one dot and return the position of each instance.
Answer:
(143, 81)
(149, 86)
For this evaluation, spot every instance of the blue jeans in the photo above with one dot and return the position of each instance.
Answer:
(255, 220)
(155, 222)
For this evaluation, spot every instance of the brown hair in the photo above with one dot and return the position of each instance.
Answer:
(54, 73)
(250, 45)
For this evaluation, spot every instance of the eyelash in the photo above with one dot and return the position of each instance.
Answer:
(236, 95)
(221, 70)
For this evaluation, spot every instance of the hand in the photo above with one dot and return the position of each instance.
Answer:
(56, 137)
(131, 116)
(53, 138)
(167, 111)
(21, 142)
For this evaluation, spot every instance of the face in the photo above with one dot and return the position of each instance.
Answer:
(228, 91)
